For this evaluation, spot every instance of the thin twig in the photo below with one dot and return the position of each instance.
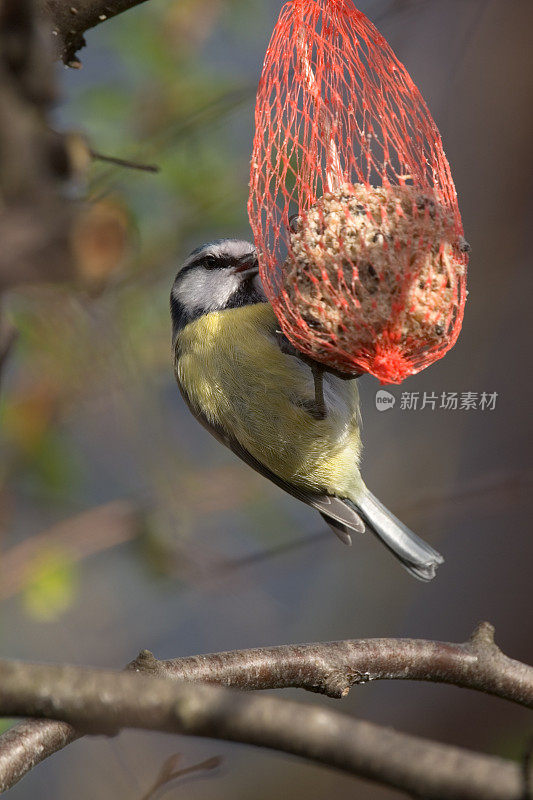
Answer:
(169, 773)
(123, 162)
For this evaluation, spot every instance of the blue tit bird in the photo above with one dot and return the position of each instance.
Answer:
(286, 416)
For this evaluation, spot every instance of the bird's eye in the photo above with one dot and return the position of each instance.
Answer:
(210, 262)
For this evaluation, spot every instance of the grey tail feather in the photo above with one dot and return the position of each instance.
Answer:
(339, 529)
(417, 557)
(341, 516)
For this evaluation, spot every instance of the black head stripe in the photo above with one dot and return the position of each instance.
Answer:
(180, 317)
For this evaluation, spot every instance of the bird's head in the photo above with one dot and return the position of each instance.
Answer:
(216, 276)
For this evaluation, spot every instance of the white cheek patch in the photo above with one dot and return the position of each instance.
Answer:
(206, 289)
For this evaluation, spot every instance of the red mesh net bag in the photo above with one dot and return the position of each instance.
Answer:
(352, 204)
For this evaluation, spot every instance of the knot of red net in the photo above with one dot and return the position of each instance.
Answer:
(352, 204)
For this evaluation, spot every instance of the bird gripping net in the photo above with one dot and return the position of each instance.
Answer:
(352, 204)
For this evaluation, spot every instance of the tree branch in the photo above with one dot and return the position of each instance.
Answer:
(105, 702)
(37, 164)
(28, 743)
(71, 18)
(35, 217)
(332, 668)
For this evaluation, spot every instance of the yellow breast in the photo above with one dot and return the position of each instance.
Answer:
(233, 373)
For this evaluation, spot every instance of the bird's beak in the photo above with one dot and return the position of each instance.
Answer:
(246, 266)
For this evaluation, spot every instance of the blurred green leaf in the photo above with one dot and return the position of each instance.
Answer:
(50, 587)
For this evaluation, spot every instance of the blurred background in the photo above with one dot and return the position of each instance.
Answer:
(124, 525)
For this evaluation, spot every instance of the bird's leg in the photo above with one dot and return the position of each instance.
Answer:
(319, 411)
(316, 407)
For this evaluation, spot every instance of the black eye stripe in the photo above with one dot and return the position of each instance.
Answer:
(211, 262)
